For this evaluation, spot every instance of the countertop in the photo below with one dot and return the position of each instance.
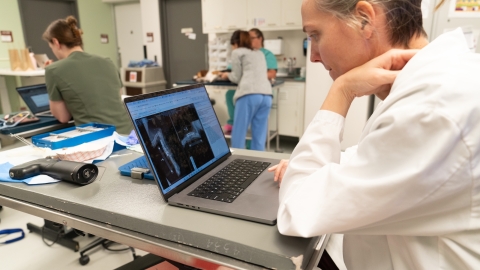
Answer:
(8, 72)
(220, 83)
(291, 79)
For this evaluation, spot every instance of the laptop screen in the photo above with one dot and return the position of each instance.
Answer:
(36, 97)
(180, 133)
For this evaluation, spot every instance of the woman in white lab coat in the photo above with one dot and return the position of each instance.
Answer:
(408, 197)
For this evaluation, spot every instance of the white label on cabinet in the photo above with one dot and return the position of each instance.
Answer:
(186, 30)
(259, 21)
(133, 76)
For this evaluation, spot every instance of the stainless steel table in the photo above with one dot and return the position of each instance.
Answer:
(132, 212)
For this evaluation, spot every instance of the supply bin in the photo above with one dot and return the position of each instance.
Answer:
(142, 80)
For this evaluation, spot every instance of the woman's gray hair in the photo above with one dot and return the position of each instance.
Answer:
(404, 17)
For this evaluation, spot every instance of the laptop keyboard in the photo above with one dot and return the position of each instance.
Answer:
(227, 184)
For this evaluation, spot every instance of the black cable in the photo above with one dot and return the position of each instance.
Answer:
(59, 234)
(78, 232)
(106, 245)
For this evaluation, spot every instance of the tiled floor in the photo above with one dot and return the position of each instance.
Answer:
(32, 253)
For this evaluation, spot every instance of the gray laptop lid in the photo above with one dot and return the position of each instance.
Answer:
(180, 135)
(35, 97)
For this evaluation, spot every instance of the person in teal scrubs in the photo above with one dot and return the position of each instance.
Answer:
(256, 37)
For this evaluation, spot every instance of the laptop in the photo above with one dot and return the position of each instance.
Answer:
(36, 99)
(191, 161)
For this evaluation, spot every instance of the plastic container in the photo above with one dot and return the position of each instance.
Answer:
(65, 138)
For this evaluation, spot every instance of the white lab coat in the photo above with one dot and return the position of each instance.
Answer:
(408, 197)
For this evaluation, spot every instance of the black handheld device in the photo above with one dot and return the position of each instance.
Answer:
(74, 172)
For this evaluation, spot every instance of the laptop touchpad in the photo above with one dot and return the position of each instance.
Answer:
(263, 185)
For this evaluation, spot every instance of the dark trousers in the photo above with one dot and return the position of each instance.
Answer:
(326, 262)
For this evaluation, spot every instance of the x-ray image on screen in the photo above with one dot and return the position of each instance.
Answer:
(177, 143)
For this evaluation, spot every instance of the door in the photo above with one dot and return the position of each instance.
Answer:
(183, 55)
(37, 15)
(129, 32)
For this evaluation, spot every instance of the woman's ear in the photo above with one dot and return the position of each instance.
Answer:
(366, 14)
(55, 42)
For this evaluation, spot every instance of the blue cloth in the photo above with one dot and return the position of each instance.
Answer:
(143, 63)
(5, 176)
(251, 111)
(132, 138)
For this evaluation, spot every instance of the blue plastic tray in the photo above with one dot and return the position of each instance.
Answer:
(140, 162)
(107, 130)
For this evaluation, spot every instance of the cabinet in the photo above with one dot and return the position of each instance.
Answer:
(223, 15)
(291, 103)
(142, 80)
(264, 14)
(291, 13)
(217, 93)
(234, 14)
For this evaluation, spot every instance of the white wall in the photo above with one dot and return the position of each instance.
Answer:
(318, 83)
(151, 24)
(292, 45)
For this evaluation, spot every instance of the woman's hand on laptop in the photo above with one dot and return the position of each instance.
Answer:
(48, 62)
(279, 170)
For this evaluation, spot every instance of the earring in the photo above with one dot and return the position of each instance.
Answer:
(364, 22)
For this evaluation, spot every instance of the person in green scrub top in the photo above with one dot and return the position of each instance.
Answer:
(80, 85)
(256, 37)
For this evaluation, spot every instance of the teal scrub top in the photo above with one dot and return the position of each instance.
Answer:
(271, 60)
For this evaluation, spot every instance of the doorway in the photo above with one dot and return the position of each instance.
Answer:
(129, 32)
(183, 55)
(36, 15)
